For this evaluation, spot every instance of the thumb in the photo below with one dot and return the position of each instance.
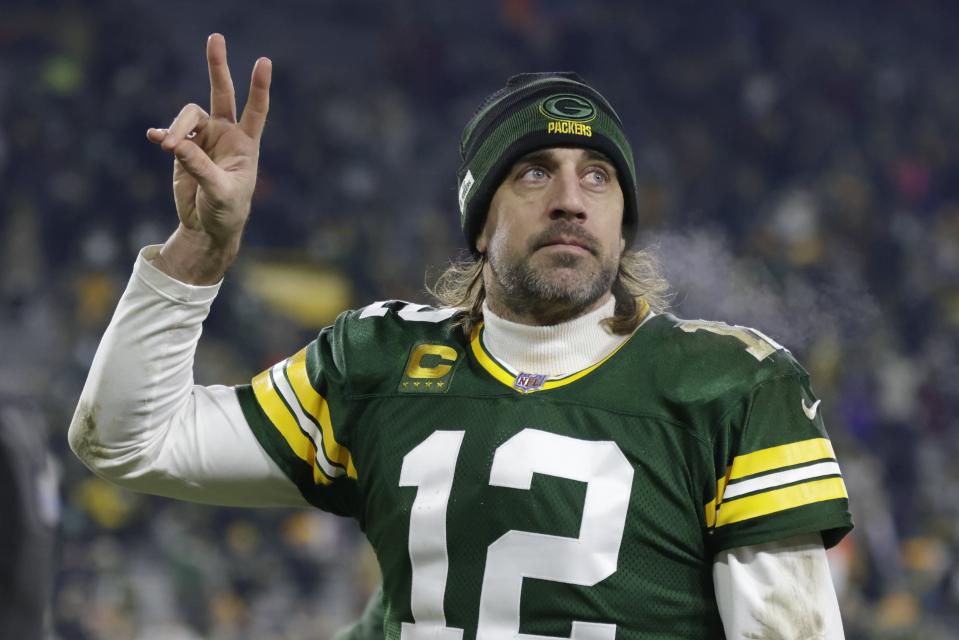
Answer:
(195, 161)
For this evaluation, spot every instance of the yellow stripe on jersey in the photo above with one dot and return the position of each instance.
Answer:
(284, 422)
(318, 408)
(718, 513)
(782, 456)
(713, 504)
(790, 497)
(491, 366)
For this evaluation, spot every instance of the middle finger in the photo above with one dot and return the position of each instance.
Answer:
(222, 96)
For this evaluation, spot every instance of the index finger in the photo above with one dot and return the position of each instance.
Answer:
(222, 96)
(258, 103)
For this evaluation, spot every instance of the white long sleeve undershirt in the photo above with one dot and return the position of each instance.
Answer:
(141, 422)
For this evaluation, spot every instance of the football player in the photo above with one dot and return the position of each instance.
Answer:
(546, 454)
(30, 508)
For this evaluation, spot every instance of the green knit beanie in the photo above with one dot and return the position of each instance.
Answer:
(536, 111)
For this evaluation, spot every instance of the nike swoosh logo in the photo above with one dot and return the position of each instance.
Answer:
(810, 411)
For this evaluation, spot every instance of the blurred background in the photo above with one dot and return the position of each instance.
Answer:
(799, 173)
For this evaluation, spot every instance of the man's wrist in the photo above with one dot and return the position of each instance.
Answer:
(194, 257)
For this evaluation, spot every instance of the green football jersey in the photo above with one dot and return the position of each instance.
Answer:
(503, 503)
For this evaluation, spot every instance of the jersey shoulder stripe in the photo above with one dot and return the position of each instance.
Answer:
(776, 479)
(300, 416)
(318, 409)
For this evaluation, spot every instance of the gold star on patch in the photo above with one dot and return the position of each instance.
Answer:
(416, 385)
(429, 385)
(406, 384)
(440, 385)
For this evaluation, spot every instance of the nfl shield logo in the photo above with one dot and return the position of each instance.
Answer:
(527, 382)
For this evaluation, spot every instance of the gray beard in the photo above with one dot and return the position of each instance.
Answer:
(538, 292)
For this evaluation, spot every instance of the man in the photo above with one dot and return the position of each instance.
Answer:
(30, 504)
(548, 455)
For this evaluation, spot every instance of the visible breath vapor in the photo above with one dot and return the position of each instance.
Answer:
(712, 283)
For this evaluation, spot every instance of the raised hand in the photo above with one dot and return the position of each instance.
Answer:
(214, 171)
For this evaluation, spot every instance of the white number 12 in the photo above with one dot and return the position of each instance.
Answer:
(584, 561)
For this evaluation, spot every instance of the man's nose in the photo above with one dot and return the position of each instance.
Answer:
(567, 197)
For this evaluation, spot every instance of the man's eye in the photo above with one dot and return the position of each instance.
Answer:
(597, 176)
(534, 173)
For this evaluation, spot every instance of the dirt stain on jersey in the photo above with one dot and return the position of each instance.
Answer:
(792, 614)
(83, 435)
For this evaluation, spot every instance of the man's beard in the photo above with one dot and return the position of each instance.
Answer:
(557, 287)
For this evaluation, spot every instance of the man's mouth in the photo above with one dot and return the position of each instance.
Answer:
(567, 241)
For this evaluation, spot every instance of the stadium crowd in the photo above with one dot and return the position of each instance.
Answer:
(799, 173)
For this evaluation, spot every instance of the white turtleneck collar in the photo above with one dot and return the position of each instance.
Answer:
(556, 350)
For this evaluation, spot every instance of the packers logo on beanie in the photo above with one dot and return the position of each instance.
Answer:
(535, 111)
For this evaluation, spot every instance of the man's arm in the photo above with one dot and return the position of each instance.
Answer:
(141, 421)
(779, 589)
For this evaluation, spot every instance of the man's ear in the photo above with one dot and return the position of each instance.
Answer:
(622, 244)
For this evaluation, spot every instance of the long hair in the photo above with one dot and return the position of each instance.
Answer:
(639, 287)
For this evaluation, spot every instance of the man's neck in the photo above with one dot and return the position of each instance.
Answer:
(554, 350)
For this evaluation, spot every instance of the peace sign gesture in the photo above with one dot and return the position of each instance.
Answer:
(214, 171)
